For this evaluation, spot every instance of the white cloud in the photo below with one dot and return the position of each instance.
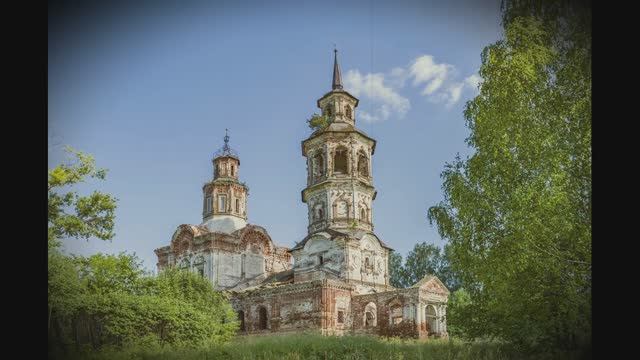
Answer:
(454, 92)
(473, 81)
(386, 101)
(424, 70)
(437, 80)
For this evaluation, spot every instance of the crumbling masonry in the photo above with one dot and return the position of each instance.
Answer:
(339, 281)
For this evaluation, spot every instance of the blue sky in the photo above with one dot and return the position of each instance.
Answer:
(150, 91)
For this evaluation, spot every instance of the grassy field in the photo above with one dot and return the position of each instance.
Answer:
(315, 347)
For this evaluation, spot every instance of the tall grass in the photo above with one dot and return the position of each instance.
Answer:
(316, 347)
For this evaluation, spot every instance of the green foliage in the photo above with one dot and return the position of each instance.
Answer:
(318, 122)
(65, 288)
(108, 302)
(316, 347)
(396, 271)
(517, 213)
(457, 312)
(104, 274)
(424, 259)
(72, 215)
(117, 305)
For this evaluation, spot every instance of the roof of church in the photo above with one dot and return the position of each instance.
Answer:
(336, 83)
(340, 127)
(428, 278)
(357, 234)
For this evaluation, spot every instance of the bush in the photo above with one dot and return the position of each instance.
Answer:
(118, 307)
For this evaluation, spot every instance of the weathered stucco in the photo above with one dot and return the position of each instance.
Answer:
(339, 280)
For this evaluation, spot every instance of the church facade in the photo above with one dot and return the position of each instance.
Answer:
(338, 281)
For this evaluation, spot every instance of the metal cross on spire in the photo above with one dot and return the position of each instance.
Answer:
(226, 139)
(226, 150)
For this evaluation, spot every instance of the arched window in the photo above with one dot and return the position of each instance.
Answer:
(262, 318)
(318, 166)
(233, 170)
(208, 204)
(347, 112)
(370, 315)
(320, 214)
(431, 316)
(363, 214)
(241, 319)
(328, 111)
(222, 203)
(363, 165)
(396, 315)
(184, 264)
(198, 265)
(238, 205)
(366, 262)
(340, 161)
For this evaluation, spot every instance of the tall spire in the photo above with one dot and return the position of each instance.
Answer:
(337, 78)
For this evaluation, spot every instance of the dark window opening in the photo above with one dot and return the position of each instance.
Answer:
(263, 319)
(340, 317)
(363, 166)
(340, 162)
(369, 319)
(241, 318)
(320, 259)
(348, 111)
(318, 163)
(237, 205)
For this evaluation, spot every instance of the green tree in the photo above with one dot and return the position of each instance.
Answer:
(458, 311)
(102, 274)
(517, 213)
(104, 301)
(424, 259)
(396, 270)
(122, 306)
(72, 215)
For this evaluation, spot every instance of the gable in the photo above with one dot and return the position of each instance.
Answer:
(432, 284)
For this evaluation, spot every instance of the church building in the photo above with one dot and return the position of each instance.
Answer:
(338, 281)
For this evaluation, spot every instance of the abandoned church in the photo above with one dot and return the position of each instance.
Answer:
(336, 279)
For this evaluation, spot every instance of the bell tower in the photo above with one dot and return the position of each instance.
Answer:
(339, 192)
(225, 197)
(340, 242)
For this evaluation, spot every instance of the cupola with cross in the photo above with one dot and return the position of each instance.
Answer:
(338, 105)
(225, 197)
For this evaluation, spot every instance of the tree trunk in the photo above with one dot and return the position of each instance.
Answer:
(76, 338)
(59, 335)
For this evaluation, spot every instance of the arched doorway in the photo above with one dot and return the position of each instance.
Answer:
(432, 319)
